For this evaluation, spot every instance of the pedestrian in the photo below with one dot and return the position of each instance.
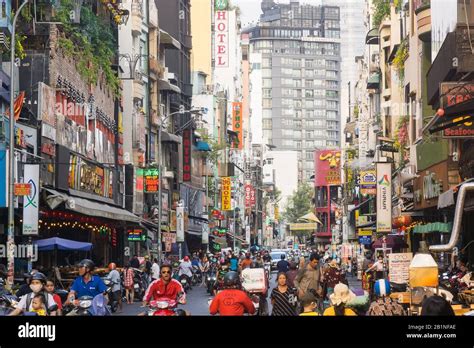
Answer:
(284, 298)
(128, 275)
(436, 306)
(114, 277)
(205, 266)
(134, 262)
(309, 304)
(283, 265)
(339, 299)
(384, 305)
(167, 261)
(247, 262)
(302, 262)
(379, 268)
(147, 267)
(332, 277)
(50, 290)
(309, 277)
(155, 270)
(291, 275)
(234, 263)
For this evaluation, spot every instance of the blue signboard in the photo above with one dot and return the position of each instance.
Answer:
(366, 240)
(3, 176)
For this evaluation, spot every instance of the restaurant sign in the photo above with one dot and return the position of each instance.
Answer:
(136, 235)
(151, 180)
(453, 93)
(187, 143)
(368, 182)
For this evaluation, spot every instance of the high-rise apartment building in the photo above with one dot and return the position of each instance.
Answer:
(301, 62)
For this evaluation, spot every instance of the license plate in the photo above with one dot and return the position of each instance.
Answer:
(136, 286)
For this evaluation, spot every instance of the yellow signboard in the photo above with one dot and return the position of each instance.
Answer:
(277, 213)
(226, 193)
(365, 233)
(303, 226)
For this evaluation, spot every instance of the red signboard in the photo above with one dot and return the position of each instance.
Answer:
(187, 141)
(248, 194)
(252, 196)
(22, 189)
(327, 167)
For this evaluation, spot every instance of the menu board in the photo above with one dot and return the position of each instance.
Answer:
(398, 266)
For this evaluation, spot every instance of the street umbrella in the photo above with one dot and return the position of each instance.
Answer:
(392, 241)
(310, 217)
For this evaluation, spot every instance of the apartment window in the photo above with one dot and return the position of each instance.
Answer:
(308, 83)
(318, 83)
(266, 62)
(298, 134)
(267, 134)
(331, 64)
(331, 115)
(309, 93)
(288, 143)
(319, 93)
(298, 113)
(331, 84)
(309, 134)
(309, 74)
(287, 133)
(267, 113)
(319, 143)
(266, 72)
(309, 63)
(332, 94)
(319, 133)
(332, 135)
(298, 123)
(309, 156)
(287, 102)
(298, 104)
(286, 112)
(267, 82)
(267, 93)
(309, 164)
(287, 122)
(267, 123)
(298, 144)
(309, 113)
(332, 125)
(267, 103)
(332, 104)
(318, 113)
(331, 74)
(318, 103)
(332, 143)
(297, 83)
(256, 66)
(309, 103)
(334, 34)
(319, 123)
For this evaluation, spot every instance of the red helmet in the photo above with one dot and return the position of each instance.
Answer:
(186, 258)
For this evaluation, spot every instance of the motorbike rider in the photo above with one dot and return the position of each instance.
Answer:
(247, 262)
(86, 284)
(165, 288)
(25, 288)
(259, 261)
(37, 284)
(186, 269)
(231, 301)
(114, 277)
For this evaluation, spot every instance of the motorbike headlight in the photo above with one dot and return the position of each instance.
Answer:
(85, 303)
(183, 281)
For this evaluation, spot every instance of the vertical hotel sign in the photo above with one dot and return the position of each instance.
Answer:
(31, 202)
(226, 193)
(237, 124)
(222, 34)
(384, 197)
(187, 154)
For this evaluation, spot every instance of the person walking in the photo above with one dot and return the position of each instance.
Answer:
(339, 299)
(332, 276)
(283, 298)
(205, 266)
(309, 278)
(134, 262)
(129, 283)
(383, 304)
(379, 268)
(283, 265)
(291, 275)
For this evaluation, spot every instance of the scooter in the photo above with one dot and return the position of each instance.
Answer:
(185, 282)
(8, 303)
(112, 303)
(89, 306)
(165, 308)
(211, 280)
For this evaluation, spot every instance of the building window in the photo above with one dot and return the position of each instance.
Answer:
(267, 93)
(331, 74)
(288, 143)
(331, 104)
(309, 113)
(267, 82)
(320, 143)
(267, 123)
(309, 93)
(298, 144)
(331, 115)
(267, 73)
(308, 83)
(267, 103)
(332, 94)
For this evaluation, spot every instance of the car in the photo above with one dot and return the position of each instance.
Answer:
(276, 256)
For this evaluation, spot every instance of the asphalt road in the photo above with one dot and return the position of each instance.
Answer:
(198, 297)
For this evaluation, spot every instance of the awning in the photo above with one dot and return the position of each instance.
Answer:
(170, 138)
(434, 227)
(372, 37)
(61, 244)
(87, 207)
(203, 146)
(165, 85)
(373, 82)
(169, 41)
(310, 217)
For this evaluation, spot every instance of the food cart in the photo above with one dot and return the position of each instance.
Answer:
(423, 273)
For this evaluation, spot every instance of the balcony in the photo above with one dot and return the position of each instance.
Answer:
(423, 19)
(137, 19)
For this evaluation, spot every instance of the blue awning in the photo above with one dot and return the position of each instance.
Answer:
(203, 146)
(62, 244)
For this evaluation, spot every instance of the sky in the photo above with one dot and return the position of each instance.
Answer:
(251, 9)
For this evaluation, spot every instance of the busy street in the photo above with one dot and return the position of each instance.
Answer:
(245, 158)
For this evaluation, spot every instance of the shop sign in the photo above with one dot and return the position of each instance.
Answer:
(247, 234)
(49, 149)
(135, 235)
(327, 167)
(180, 224)
(453, 93)
(221, 5)
(365, 240)
(222, 39)
(399, 265)
(173, 221)
(365, 233)
(187, 142)
(90, 178)
(237, 124)
(5, 18)
(248, 190)
(253, 196)
(362, 220)
(46, 104)
(465, 130)
(384, 197)
(22, 189)
(368, 182)
(20, 138)
(226, 193)
(432, 188)
(31, 201)
(151, 180)
(168, 237)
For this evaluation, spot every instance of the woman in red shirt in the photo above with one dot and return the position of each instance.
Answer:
(57, 299)
(128, 284)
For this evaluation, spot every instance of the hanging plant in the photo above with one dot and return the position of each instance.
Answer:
(401, 139)
(381, 11)
(399, 60)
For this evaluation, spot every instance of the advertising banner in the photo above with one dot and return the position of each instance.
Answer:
(248, 191)
(221, 28)
(365, 240)
(247, 234)
(399, 267)
(3, 178)
(253, 197)
(384, 197)
(237, 124)
(327, 167)
(180, 224)
(47, 104)
(187, 143)
(31, 202)
(368, 182)
(151, 180)
(226, 193)
(205, 231)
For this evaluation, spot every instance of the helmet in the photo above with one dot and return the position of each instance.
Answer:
(382, 287)
(112, 265)
(88, 264)
(39, 276)
(231, 279)
(186, 258)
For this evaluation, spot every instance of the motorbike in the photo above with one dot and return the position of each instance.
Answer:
(197, 276)
(112, 303)
(165, 308)
(89, 306)
(8, 303)
(268, 270)
(211, 280)
(185, 282)
(140, 282)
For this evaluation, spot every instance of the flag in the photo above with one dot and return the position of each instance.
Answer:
(17, 106)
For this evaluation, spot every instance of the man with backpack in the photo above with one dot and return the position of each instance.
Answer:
(37, 284)
(309, 278)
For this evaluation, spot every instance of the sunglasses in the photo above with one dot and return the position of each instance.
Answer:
(165, 272)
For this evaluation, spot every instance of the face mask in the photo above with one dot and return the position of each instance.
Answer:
(36, 288)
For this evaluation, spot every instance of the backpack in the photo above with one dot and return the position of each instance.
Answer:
(29, 299)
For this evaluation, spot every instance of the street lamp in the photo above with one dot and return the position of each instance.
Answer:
(160, 203)
(11, 148)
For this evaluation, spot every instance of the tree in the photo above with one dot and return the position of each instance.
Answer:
(299, 203)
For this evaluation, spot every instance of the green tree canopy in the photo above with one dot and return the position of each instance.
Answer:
(299, 203)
